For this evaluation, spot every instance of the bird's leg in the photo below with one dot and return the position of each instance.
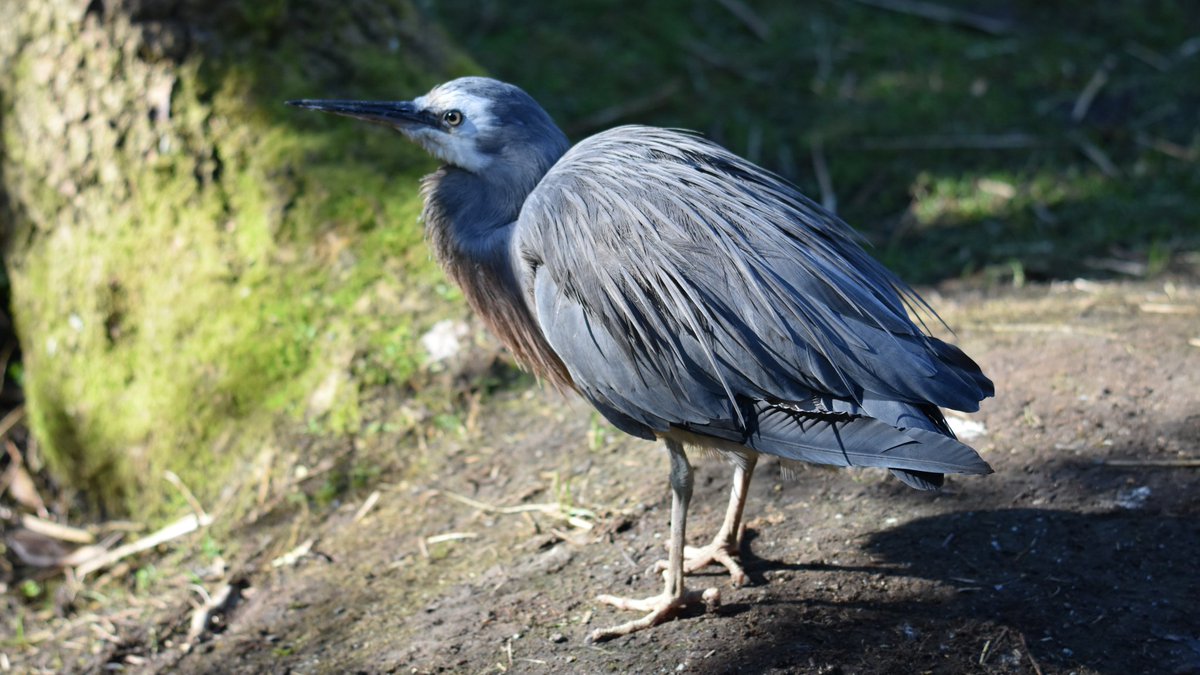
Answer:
(728, 541)
(674, 596)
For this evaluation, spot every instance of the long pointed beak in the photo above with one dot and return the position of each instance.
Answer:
(391, 113)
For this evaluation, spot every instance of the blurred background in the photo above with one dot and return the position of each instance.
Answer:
(1045, 140)
(200, 282)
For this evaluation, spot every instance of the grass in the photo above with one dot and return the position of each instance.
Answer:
(891, 99)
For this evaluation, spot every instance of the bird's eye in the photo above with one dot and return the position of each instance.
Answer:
(452, 118)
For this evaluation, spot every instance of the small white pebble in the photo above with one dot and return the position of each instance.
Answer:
(966, 429)
(444, 340)
(1133, 499)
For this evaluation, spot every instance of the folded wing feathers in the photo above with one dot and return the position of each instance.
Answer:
(698, 197)
(795, 307)
(851, 440)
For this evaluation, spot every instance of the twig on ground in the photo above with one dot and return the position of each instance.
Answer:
(1166, 308)
(941, 14)
(186, 525)
(1098, 156)
(85, 553)
(1037, 668)
(105, 633)
(1040, 328)
(1181, 463)
(450, 536)
(987, 645)
(293, 556)
(748, 17)
(1099, 78)
(55, 530)
(567, 537)
(572, 514)
(193, 503)
(366, 507)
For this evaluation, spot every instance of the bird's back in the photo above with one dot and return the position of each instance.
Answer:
(681, 284)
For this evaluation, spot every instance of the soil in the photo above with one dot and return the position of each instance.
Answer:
(1077, 556)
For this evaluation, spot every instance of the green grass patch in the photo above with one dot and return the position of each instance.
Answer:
(904, 109)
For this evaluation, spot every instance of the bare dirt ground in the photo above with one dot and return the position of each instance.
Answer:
(1077, 556)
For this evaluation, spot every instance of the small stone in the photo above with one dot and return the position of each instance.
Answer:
(558, 638)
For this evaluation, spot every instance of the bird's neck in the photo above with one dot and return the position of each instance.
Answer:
(468, 215)
(469, 222)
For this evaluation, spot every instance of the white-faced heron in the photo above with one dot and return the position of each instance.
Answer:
(689, 295)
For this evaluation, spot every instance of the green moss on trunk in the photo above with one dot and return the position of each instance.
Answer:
(189, 259)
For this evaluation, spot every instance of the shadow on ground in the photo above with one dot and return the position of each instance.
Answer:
(1020, 583)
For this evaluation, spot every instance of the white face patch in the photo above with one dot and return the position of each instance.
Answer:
(456, 145)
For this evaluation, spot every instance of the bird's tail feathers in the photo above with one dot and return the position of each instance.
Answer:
(916, 456)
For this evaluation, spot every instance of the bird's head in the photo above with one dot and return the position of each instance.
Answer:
(470, 123)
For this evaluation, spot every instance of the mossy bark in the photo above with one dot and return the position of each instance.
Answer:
(189, 258)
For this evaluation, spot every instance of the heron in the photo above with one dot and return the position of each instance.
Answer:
(690, 296)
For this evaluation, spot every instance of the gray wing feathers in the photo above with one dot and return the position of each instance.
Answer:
(680, 288)
(630, 392)
(848, 440)
(772, 290)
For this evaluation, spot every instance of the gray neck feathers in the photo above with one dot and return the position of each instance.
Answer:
(469, 221)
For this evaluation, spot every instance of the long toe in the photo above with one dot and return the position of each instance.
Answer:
(660, 608)
(716, 553)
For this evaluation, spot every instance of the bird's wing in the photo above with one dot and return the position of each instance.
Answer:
(675, 279)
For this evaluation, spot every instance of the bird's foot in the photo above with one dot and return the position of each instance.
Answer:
(717, 553)
(660, 607)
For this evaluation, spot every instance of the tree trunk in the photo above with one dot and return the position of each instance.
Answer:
(188, 257)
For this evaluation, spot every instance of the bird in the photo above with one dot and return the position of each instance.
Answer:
(690, 296)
